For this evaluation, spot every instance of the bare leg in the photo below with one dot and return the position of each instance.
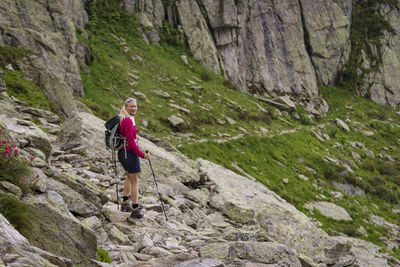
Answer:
(127, 185)
(134, 180)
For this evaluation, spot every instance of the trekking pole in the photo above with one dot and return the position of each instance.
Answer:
(159, 195)
(116, 178)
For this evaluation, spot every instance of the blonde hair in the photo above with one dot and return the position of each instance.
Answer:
(123, 112)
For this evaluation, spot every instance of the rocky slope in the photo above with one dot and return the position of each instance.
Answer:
(215, 216)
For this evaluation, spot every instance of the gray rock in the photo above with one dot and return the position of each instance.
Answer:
(2, 83)
(286, 101)
(175, 121)
(349, 189)
(328, 29)
(206, 262)
(257, 252)
(140, 95)
(342, 124)
(198, 196)
(83, 54)
(151, 11)
(60, 235)
(180, 108)
(198, 34)
(9, 187)
(355, 155)
(52, 63)
(85, 129)
(331, 210)
(154, 36)
(161, 93)
(34, 136)
(184, 59)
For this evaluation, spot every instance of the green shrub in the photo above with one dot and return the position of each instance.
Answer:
(350, 230)
(375, 114)
(13, 168)
(19, 214)
(380, 188)
(102, 255)
(25, 90)
(305, 120)
(10, 54)
(389, 168)
(229, 84)
(205, 76)
(368, 165)
(332, 131)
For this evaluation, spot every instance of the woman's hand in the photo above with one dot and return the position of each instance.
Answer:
(146, 156)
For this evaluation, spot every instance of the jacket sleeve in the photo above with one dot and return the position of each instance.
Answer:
(127, 130)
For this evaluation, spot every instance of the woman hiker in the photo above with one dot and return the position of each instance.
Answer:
(131, 163)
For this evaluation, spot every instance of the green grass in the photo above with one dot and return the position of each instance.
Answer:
(13, 168)
(102, 255)
(9, 55)
(107, 82)
(19, 214)
(25, 90)
(270, 159)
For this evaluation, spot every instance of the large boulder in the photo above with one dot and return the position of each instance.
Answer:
(60, 234)
(87, 130)
(15, 250)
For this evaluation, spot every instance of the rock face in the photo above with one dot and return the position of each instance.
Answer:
(198, 34)
(150, 12)
(383, 85)
(47, 29)
(279, 47)
(328, 31)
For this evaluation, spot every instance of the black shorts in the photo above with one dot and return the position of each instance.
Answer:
(132, 162)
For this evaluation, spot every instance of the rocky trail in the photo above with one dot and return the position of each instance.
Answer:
(216, 217)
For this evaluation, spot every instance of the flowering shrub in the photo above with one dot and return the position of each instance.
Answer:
(13, 167)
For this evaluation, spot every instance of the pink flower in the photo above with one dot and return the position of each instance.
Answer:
(8, 151)
(32, 158)
(14, 146)
(37, 176)
(3, 154)
(1, 130)
(16, 151)
(8, 142)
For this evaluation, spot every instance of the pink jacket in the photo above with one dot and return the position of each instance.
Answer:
(128, 130)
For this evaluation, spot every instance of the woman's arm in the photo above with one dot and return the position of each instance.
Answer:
(127, 130)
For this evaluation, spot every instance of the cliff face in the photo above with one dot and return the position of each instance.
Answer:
(281, 47)
(47, 28)
(383, 84)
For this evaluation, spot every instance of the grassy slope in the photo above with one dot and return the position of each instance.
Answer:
(270, 157)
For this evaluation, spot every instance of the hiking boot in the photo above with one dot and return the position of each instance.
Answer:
(125, 207)
(137, 213)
